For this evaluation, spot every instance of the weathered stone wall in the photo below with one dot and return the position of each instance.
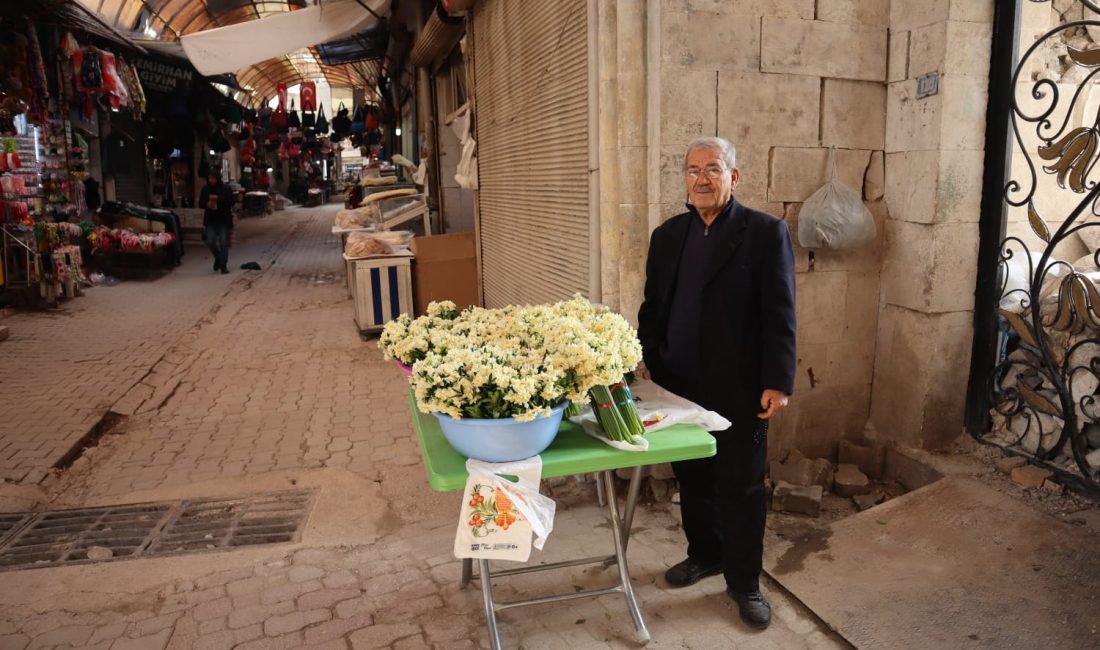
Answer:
(884, 332)
(934, 161)
(772, 78)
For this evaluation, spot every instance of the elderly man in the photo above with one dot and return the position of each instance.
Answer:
(717, 326)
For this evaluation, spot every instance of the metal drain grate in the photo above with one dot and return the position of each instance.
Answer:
(221, 523)
(65, 536)
(31, 540)
(10, 522)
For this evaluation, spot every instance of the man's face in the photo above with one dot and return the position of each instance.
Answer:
(211, 180)
(709, 183)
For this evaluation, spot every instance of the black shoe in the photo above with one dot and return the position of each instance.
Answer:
(691, 571)
(225, 271)
(754, 608)
(216, 267)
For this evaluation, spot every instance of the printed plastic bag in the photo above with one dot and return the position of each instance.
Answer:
(834, 216)
(658, 409)
(499, 514)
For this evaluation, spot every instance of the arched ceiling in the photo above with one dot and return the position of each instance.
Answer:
(167, 20)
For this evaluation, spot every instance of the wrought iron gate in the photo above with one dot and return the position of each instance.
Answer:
(1042, 314)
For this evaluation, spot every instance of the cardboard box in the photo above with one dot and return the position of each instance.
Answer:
(445, 268)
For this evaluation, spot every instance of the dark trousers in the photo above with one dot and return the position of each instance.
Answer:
(217, 239)
(722, 498)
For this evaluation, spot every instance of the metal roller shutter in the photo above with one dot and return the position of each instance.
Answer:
(532, 97)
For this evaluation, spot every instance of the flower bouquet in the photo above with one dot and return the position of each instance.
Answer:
(518, 362)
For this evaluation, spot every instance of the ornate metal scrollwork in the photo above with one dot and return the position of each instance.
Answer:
(1046, 389)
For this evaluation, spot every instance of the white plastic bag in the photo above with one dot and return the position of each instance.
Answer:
(658, 409)
(466, 173)
(834, 216)
(498, 515)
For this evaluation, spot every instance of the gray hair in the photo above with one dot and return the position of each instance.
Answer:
(725, 150)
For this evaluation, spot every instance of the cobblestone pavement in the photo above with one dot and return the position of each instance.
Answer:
(272, 387)
(61, 370)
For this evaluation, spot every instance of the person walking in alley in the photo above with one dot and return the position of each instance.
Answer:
(217, 218)
(717, 326)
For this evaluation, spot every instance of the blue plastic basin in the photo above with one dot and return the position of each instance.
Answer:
(501, 440)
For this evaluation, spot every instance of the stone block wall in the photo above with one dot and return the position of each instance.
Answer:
(769, 76)
(884, 332)
(934, 160)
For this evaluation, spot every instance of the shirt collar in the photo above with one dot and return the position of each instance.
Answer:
(722, 217)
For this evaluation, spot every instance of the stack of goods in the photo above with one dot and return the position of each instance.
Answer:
(108, 240)
(377, 181)
(55, 177)
(369, 213)
(372, 244)
(68, 265)
(13, 199)
(358, 218)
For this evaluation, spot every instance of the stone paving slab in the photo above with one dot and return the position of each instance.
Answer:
(61, 370)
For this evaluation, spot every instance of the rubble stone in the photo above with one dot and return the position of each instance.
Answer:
(99, 553)
(822, 473)
(849, 481)
(1052, 487)
(1031, 476)
(868, 459)
(801, 499)
(661, 471)
(1093, 458)
(4, 332)
(1008, 463)
(865, 501)
(799, 470)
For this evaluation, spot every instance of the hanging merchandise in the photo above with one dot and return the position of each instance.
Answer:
(89, 70)
(16, 79)
(321, 127)
(370, 121)
(308, 91)
(292, 117)
(248, 152)
(279, 120)
(341, 123)
(358, 121)
(40, 94)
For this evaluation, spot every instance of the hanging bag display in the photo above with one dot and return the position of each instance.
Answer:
(292, 119)
(279, 120)
(370, 120)
(321, 128)
(358, 121)
(341, 123)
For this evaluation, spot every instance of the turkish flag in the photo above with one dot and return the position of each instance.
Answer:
(309, 96)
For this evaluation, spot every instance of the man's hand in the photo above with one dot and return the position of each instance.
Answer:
(771, 401)
(641, 372)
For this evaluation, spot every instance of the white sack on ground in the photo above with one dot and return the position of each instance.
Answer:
(230, 48)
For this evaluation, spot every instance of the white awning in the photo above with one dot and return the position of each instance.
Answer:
(231, 48)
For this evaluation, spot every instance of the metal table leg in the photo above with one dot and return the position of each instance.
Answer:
(641, 634)
(631, 501)
(601, 498)
(467, 573)
(490, 610)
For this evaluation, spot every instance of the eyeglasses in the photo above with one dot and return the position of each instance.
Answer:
(713, 172)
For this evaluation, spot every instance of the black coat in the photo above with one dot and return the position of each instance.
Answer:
(747, 330)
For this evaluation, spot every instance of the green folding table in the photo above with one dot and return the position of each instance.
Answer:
(572, 452)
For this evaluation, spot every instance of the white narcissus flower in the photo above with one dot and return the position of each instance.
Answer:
(514, 361)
